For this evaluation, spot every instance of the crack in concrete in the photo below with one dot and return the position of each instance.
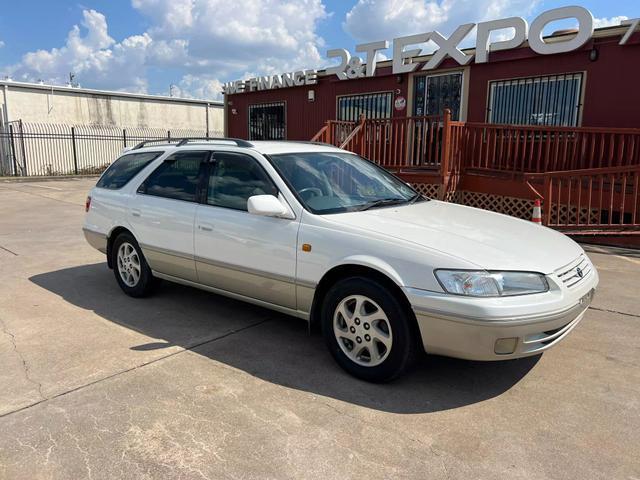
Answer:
(25, 366)
(7, 250)
(108, 377)
(614, 311)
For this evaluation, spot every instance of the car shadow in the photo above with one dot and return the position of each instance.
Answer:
(275, 347)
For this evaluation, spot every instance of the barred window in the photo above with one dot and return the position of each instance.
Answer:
(267, 121)
(549, 100)
(373, 105)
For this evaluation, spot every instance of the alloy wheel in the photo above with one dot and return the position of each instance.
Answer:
(129, 264)
(362, 330)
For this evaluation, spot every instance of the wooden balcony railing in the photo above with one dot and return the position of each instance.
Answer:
(588, 178)
(522, 149)
(603, 198)
(334, 132)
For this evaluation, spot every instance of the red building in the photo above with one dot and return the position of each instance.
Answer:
(597, 85)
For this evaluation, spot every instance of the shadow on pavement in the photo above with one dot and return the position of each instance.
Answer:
(275, 347)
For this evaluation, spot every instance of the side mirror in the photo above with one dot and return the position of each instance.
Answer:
(266, 205)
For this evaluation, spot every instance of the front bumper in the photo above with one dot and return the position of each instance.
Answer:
(471, 328)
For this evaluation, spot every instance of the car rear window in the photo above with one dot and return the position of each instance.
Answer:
(125, 168)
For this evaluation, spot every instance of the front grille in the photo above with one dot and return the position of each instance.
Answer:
(575, 272)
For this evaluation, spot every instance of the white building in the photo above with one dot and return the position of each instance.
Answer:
(33, 102)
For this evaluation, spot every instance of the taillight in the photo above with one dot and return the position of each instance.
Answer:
(87, 204)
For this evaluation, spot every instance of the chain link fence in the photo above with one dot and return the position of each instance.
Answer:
(39, 149)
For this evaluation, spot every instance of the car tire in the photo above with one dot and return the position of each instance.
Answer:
(131, 269)
(368, 331)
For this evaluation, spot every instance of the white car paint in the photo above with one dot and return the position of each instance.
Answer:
(259, 258)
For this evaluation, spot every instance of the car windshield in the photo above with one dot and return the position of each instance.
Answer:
(328, 182)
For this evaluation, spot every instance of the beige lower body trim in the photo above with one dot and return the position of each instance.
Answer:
(254, 301)
(96, 239)
(273, 289)
(170, 262)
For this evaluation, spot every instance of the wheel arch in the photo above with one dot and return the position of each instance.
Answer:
(357, 268)
(111, 237)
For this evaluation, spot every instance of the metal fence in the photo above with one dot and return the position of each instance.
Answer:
(32, 149)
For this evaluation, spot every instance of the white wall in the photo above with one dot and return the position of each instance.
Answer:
(83, 108)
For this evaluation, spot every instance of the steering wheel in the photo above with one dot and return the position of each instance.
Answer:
(316, 192)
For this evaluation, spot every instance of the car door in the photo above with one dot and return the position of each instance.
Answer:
(239, 252)
(163, 212)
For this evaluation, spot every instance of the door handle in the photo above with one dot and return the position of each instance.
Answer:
(205, 228)
(135, 212)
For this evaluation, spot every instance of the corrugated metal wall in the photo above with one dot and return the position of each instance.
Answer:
(305, 118)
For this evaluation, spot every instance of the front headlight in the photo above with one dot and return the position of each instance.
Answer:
(478, 283)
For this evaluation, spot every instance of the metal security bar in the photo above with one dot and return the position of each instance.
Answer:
(36, 149)
(550, 100)
(372, 105)
(267, 121)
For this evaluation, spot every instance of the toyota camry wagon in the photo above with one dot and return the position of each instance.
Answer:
(322, 234)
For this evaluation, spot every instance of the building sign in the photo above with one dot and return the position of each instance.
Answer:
(293, 79)
(400, 103)
(351, 67)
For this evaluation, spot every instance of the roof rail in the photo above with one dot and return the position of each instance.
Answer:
(239, 142)
(144, 143)
(180, 141)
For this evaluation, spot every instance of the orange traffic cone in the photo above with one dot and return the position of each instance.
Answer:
(536, 216)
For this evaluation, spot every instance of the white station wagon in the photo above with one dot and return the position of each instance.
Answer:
(325, 235)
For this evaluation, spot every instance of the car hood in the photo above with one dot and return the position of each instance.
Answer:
(488, 240)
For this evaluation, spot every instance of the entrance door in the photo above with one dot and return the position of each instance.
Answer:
(434, 93)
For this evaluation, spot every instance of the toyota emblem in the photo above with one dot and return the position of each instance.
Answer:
(579, 272)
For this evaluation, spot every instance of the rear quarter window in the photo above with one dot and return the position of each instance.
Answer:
(125, 168)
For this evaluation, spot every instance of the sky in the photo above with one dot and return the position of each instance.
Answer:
(190, 47)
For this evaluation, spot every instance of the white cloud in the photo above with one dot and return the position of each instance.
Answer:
(206, 40)
(92, 55)
(608, 22)
(371, 20)
(1, 44)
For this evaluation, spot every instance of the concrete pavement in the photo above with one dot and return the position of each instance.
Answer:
(188, 384)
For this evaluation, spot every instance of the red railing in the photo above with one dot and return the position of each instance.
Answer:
(334, 132)
(602, 198)
(410, 142)
(588, 178)
(522, 149)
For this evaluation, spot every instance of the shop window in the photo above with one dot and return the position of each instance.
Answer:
(434, 93)
(267, 121)
(549, 100)
(372, 105)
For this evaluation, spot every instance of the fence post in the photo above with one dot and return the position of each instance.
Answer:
(124, 137)
(24, 150)
(329, 133)
(169, 135)
(13, 151)
(546, 201)
(75, 153)
(445, 153)
(361, 135)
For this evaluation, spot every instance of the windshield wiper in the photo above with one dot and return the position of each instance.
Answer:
(380, 203)
(415, 198)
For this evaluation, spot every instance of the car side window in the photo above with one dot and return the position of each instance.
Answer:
(234, 178)
(125, 168)
(177, 177)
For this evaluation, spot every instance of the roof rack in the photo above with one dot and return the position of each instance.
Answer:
(180, 141)
(239, 142)
(144, 143)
